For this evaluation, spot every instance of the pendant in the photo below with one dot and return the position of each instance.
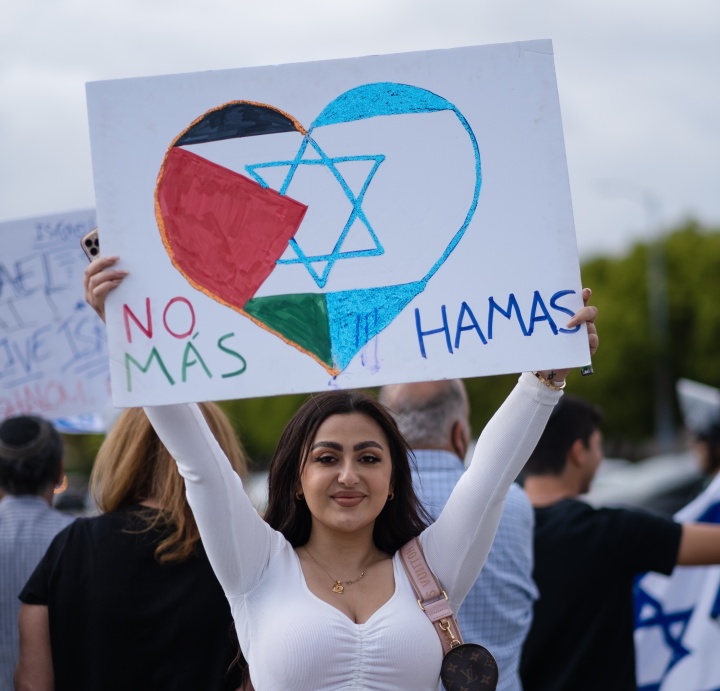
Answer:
(338, 588)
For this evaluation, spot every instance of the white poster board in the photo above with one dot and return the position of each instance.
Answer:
(332, 224)
(53, 347)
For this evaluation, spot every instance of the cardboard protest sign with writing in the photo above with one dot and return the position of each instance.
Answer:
(53, 347)
(333, 224)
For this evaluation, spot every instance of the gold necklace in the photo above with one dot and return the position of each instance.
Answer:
(339, 586)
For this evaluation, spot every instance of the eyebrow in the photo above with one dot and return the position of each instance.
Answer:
(339, 447)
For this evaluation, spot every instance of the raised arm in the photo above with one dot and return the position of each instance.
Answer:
(457, 544)
(237, 541)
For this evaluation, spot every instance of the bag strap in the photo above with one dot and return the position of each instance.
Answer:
(432, 599)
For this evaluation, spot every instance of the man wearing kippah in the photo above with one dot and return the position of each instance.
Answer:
(31, 464)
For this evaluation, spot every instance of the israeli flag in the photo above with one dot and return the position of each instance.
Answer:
(677, 618)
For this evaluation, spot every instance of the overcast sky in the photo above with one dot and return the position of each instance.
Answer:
(639, 84)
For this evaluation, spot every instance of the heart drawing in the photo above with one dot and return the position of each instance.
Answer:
(228, 232)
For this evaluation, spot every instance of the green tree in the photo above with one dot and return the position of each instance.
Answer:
(624, 384)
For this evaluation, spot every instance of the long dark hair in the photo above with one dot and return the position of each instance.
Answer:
(402, 517)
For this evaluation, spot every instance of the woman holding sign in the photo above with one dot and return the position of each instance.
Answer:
(318, 591)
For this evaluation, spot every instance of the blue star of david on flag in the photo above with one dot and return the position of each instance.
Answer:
(357, 213)
(677, 617)
(649, 613)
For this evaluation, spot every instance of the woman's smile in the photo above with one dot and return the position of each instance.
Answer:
(347, 475)
(348, 499)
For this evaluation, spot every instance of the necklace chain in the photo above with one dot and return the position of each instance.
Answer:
(339, 586)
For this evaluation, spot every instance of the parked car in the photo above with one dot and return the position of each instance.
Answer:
(662, 483)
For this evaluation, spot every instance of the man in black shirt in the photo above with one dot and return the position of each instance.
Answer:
(586, 560)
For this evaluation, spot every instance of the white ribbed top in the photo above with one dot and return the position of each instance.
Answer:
(292, 639)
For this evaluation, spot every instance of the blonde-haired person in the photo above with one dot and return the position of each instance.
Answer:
(127, 599)
(122, 476)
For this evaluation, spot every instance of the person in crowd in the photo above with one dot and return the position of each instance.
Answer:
(707, 447)
(31, 465)
(320, 597)
(434, 418)
(586, 561)
(705, 443)
(128, 599)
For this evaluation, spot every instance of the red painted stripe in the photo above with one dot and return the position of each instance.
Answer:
(223, 231)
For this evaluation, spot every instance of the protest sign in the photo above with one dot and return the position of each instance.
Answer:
(53, 348)
(336, 224)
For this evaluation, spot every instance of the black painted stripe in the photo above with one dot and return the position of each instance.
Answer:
(238, 119)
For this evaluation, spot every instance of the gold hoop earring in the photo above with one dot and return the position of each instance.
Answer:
(299, 495)
(59, 489)
(391, 496)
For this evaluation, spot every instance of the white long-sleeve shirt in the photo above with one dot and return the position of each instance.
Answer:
(294, 640)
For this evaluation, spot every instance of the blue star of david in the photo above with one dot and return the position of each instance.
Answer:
(356, 201)
(667, 622)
